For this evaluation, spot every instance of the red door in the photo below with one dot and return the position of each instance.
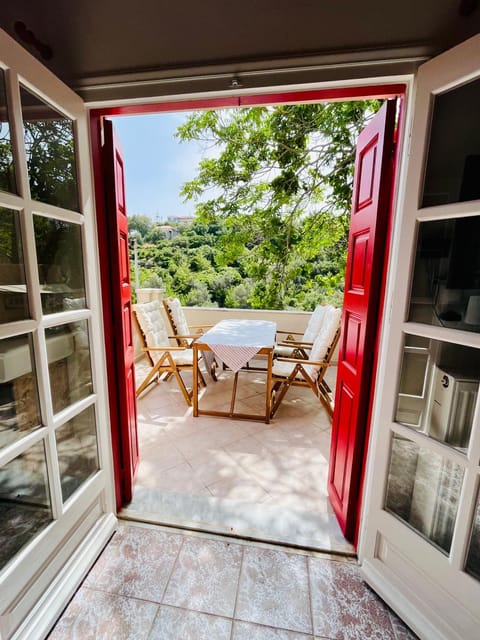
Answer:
(362, 301)
(116, 267)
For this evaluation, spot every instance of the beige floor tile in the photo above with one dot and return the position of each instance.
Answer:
(205, 577)
(214, 465)
(179, 479)
(217, 434)
(242, 490)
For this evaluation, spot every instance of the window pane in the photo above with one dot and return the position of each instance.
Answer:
(438, 390)
(24, 501)
(77, 451)
(472, 565)
(19, 408)
(7, 172)
(453, 164)
(446, 279)
(69, 363)
(50, 148)
(60, 262)
(13, 290)
(423, 490)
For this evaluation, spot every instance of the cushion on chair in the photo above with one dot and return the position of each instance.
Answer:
(324, 339)
(178, 316)
(314, 324)
(150, 319)
(330, 324)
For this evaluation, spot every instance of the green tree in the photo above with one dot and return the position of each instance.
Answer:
(280, 181)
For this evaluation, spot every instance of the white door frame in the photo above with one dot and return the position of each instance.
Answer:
(428, 589)
(38, 581)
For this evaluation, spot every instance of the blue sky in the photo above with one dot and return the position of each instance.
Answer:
(156, 164)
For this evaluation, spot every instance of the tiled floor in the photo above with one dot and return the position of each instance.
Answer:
(256, 480)
(157, 584)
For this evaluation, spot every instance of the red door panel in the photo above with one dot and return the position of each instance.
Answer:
(125, 424)
(366, 252)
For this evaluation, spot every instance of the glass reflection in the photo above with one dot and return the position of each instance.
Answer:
(423, 490)
(453, 164)
(472, 565)
(446, 279)
(60, 263)
(13, 288)
(24, 501)
(19, 408)
(69, 363)
(7, 172)
(77, 451)
(50, 148)
(438, 389)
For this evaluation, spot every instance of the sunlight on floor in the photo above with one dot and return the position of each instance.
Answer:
(246, 478)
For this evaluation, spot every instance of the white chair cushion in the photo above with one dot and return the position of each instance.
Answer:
(178, 316)
(330, 324)
(150, 319)
(314, 324)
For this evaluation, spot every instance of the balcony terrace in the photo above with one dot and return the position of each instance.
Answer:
(237, 477)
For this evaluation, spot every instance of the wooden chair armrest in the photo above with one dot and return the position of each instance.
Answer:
(317, 363)
(295, 343)
(293, 333)
(200, 326)
(164, 349)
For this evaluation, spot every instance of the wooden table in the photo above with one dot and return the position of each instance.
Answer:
(235, 342)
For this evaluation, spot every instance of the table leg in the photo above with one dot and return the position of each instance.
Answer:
(234, 393)
(268, 400)
(195, 380)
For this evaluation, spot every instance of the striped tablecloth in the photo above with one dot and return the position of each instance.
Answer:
(235, 342)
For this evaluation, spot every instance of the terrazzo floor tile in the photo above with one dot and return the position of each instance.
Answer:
(205, 576)
(95, 615)
(178, 624)
(249, 631)
(343, 607)
(137, 562)
(273, 590)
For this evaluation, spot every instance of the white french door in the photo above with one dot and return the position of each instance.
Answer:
(56, 503)
(420, 534)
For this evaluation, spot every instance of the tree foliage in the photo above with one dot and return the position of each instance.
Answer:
(279, 179)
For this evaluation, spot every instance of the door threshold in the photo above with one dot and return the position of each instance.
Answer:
(272, 525)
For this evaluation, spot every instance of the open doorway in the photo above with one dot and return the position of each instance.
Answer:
(287, 442)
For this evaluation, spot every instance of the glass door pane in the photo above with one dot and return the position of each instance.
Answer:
(51, 154)
(7, 170)
(24, 501)
(453, 166)
(13, 287)
(446, 277)
(423, 490)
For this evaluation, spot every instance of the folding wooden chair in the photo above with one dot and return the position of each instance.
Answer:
(309, 372)
(182, 332)
(185, 334)
(297, 345)
(162, 356)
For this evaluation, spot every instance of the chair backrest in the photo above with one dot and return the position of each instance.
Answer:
(177, 319)
(314, 324)
(326, 339)
(149, 316)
